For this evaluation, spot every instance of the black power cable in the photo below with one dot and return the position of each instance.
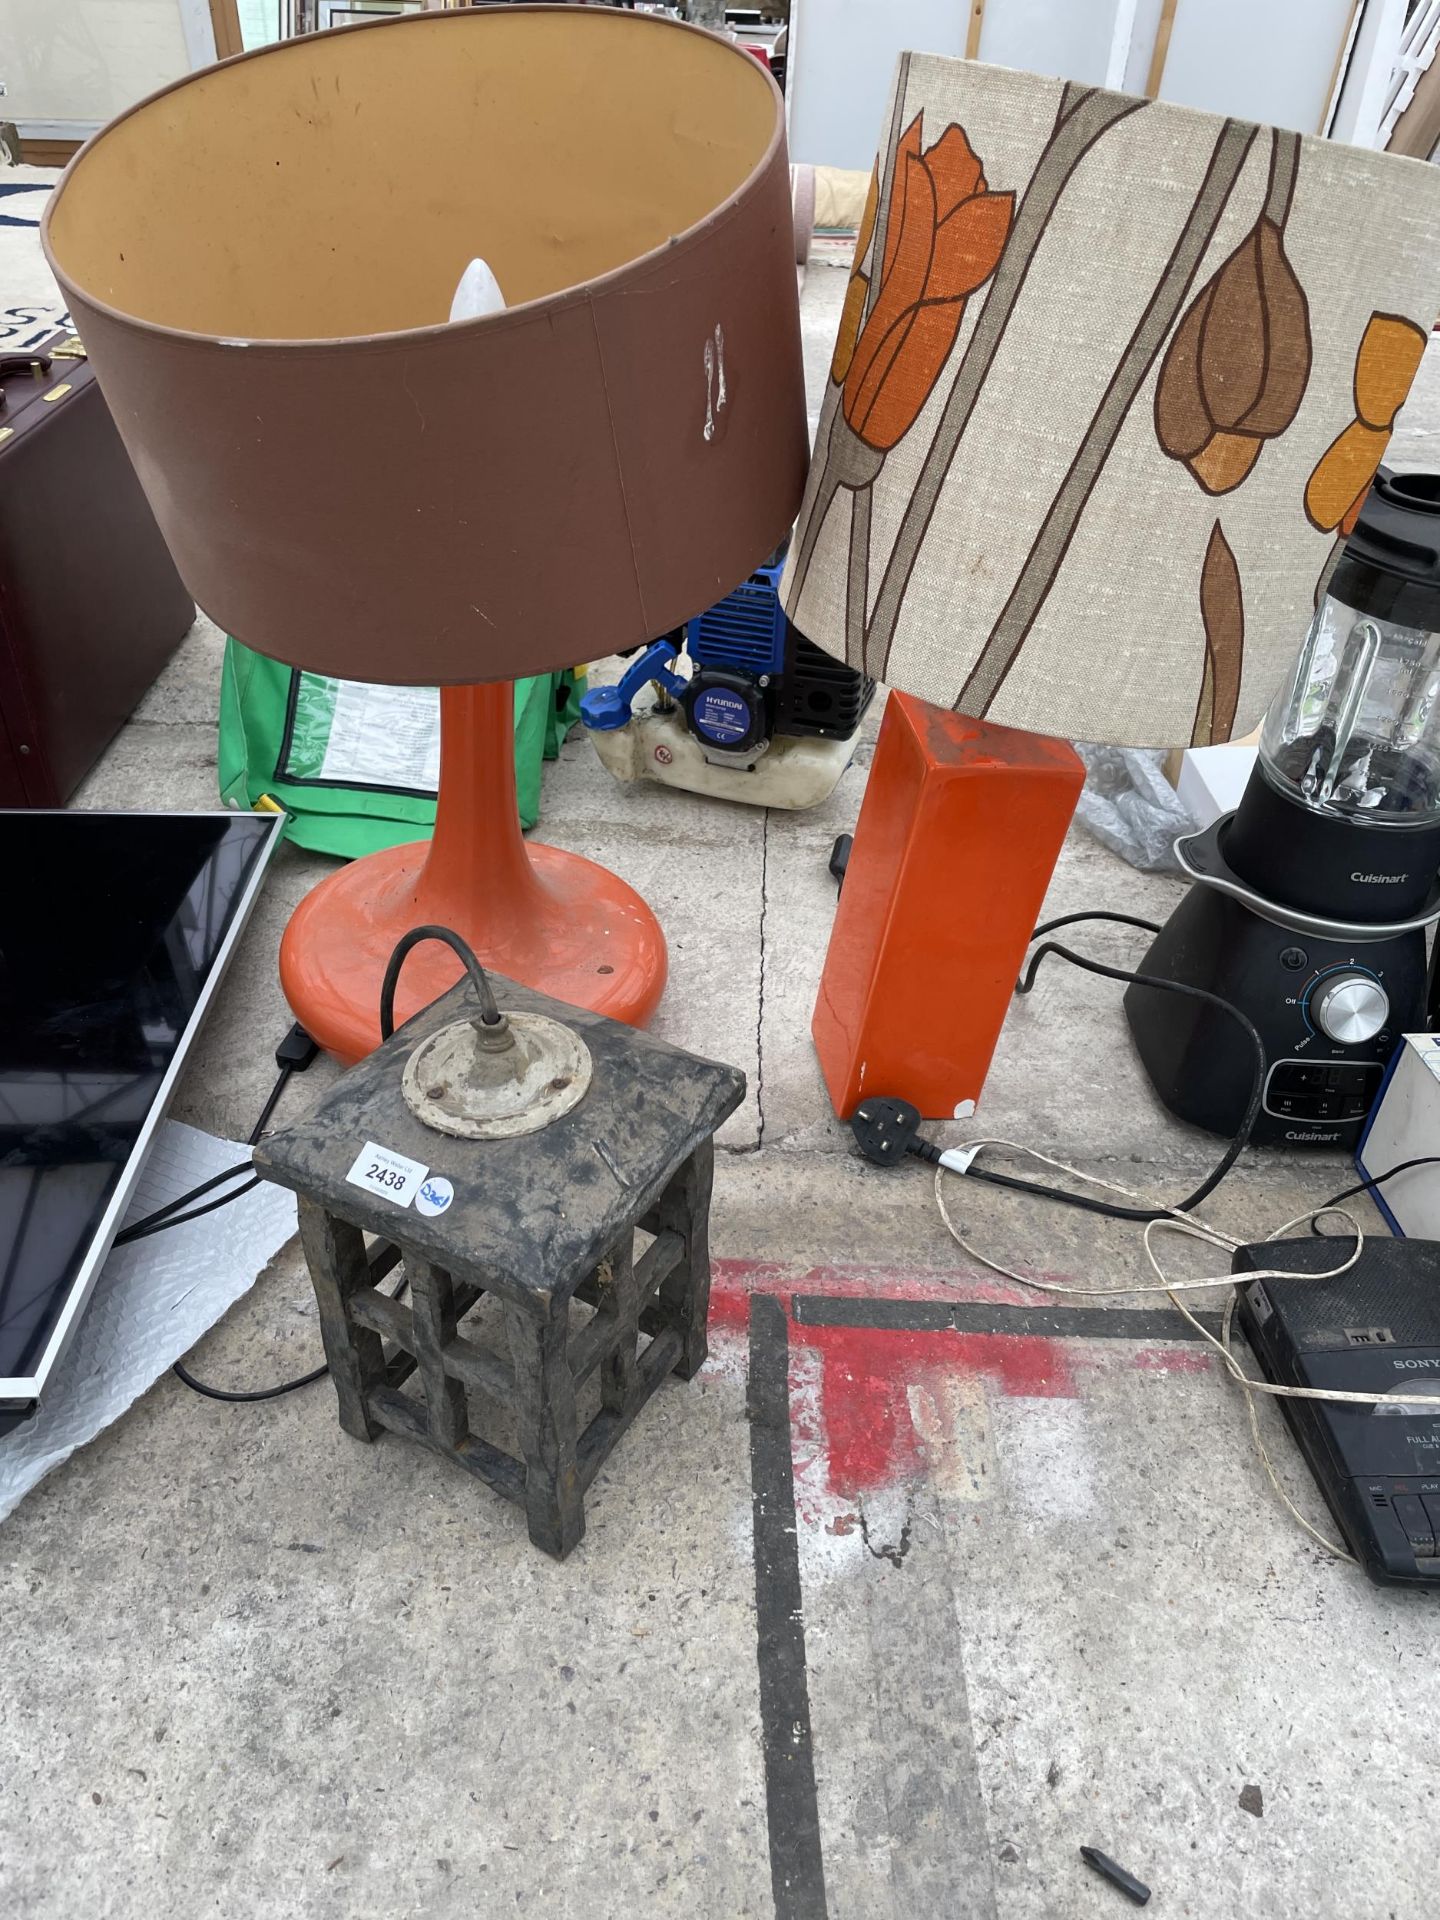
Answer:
(293, 1055)
(179, 1369)
(1369, 1185)
(1242, 1135)
(289, 1064)
(1379, 1179)
(170, 1215)
(887, 1129)
(282, 1080)
(182, 1372)
(484, 992)
(1073, 919)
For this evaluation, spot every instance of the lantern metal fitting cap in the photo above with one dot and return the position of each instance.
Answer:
(493, 1075)
(495, 1080)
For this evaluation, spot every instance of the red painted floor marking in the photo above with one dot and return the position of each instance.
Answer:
(859, 1430)
(729, 1306)
(867, 1433)
(867, 1372)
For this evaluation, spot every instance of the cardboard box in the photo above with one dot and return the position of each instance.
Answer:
(1405, 1125)
(1212, 780)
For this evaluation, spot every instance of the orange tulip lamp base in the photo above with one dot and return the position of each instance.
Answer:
(551, 920)
(959, 832)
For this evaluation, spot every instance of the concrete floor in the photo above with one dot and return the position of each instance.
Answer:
(1046, 1597)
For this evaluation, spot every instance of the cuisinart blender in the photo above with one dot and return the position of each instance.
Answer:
(1311, 899)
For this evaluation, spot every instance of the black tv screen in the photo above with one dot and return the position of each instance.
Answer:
(114, 931)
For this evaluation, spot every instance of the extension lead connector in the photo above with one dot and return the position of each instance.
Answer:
(886, 1130)
(297, 1050)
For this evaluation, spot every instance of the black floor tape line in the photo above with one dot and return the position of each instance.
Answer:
(989, 1316)
(797, 1867)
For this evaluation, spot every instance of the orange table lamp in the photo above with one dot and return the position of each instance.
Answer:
(261, 259)
(959, 832)
(1110, 377)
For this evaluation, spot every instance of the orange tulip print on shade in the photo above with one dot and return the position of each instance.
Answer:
(1386, 362)
(859, 287)
(1167, 304)
(944, 234)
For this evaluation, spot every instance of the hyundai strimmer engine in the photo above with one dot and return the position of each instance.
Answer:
(762, 715)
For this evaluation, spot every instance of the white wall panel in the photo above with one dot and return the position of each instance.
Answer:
(841, 62)
(1269, 60)
(83, 61)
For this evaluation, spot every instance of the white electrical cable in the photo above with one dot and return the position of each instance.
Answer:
(1176, 1222)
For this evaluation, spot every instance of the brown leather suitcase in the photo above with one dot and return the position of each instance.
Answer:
(91, 606)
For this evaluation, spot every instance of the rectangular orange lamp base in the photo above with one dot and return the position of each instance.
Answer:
(959, 833)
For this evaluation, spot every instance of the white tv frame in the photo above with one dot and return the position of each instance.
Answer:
(18, 1389)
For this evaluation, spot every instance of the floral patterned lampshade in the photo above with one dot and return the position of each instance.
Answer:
(1112, 379)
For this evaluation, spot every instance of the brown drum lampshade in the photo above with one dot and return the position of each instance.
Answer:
(261, 259)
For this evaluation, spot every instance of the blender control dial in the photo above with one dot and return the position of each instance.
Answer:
(1349, 1008)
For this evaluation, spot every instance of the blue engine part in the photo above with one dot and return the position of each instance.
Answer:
(738, 651)
(607, 709)
(746, 630)
(753, 675)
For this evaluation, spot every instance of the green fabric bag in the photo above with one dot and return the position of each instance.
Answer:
(355, 765)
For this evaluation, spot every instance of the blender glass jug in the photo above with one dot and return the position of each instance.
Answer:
(1355, 732)
(1342, 817)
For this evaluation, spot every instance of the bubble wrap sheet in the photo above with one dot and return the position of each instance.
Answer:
(152, 1302)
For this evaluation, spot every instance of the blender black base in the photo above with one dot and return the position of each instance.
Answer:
(1313, 897)
(1317, 1093)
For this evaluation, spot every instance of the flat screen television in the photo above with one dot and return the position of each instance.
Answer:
(115, 930)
